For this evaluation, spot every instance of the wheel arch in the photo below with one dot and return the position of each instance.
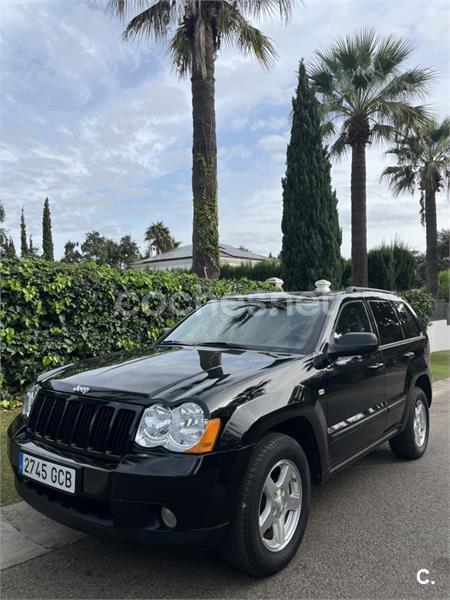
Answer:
(424, 383)
(303, 430)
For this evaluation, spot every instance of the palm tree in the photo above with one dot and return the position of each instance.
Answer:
(423, 162)
(159, 236)
(364, 90)
(195, 30)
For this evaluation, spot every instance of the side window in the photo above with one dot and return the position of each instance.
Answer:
(353, 318)
(410, 326)
(388, 324)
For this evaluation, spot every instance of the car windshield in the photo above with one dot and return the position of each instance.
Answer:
(276, 325)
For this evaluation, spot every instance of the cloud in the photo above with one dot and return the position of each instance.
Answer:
(104, 128)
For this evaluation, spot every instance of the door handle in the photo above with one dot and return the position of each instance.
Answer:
(408, 355)
(376, 366)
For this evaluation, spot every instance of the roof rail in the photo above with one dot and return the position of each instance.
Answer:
(354, 288)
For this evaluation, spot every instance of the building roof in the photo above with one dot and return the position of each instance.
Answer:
(185, 252)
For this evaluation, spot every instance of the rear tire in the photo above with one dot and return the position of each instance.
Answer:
(272, 510)
(413, 441)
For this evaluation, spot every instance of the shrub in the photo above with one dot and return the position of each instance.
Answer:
(259, 272)
(393, 267)
(52, 314)
(422, 303)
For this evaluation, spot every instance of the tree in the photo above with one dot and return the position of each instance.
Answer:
(23, 236)
(423, 161)
(196, 30)
(310, 226)
(104, 251)
(7, 249)
(95, 248)
(32, 250)
(393, 267)
(71, 253)
(128, 252)
(364, 89)
(47, 240)
(159, 236)
(11, 249)
(4, 243)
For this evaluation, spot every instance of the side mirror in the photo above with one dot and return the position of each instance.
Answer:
(352, 344)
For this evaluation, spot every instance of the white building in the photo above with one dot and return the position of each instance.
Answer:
(181, 258)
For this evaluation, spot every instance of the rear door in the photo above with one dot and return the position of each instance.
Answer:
(355, 390)
(413, 355)
(397, 353)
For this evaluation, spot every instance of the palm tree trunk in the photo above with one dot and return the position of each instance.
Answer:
(359, 218)
(205, 234)
(432, 243)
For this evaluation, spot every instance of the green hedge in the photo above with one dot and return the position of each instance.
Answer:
(422, 303)
(52, 314)
(259, 272)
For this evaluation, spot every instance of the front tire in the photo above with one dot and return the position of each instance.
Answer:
(272, 510)
(413, 441)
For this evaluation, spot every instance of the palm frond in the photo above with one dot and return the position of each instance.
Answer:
(237, 32)
(412, 83)
(126, 8)
(155, 22)
(265, 8)
(400, 178)
(382, 132)
(339, 148)
(180, 51)
(390, 53)
(402, 115)
(328, 129)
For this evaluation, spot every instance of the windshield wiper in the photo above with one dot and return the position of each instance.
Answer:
(221, 345)
(173, 343)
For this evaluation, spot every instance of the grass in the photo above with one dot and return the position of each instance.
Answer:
(440, 365)
(440, 369)
(8, 492)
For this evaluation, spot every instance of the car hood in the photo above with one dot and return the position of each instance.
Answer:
(167, 373)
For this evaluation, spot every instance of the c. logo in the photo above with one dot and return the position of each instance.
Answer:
(422, 580)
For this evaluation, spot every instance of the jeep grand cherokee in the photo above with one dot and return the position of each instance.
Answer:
(215, 434)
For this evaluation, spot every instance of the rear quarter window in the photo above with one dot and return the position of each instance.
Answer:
(408, 321)
(389, 327)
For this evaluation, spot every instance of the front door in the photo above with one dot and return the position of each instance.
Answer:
(355, 390)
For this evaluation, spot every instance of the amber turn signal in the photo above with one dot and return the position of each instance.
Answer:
(208, 439)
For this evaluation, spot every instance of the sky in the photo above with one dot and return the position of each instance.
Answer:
(103, 127)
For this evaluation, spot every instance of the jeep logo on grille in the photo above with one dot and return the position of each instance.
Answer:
(82, 389)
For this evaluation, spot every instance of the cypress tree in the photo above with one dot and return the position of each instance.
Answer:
(47, 241)
(11, 251)
(23, 236)
(310, 225)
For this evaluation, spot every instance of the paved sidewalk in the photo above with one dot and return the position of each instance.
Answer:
(26, 534)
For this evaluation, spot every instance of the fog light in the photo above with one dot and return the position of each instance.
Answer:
(168, 517)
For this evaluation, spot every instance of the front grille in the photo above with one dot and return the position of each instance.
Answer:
(82, 423)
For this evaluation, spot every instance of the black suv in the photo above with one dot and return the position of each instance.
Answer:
(215, 434)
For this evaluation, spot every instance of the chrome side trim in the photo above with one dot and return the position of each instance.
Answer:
(369, 413)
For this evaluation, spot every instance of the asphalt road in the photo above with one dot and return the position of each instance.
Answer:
(372, 527)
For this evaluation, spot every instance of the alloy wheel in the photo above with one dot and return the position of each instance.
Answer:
(280, 505)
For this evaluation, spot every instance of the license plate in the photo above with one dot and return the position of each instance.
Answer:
(56, 476)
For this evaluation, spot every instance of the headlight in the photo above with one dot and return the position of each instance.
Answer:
(182, 429)
(30, 397)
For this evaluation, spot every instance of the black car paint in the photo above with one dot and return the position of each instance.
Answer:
(251, 392)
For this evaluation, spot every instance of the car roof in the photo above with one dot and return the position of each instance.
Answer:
(353, 292)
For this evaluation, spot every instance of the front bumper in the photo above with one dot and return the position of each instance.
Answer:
(123, 500)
